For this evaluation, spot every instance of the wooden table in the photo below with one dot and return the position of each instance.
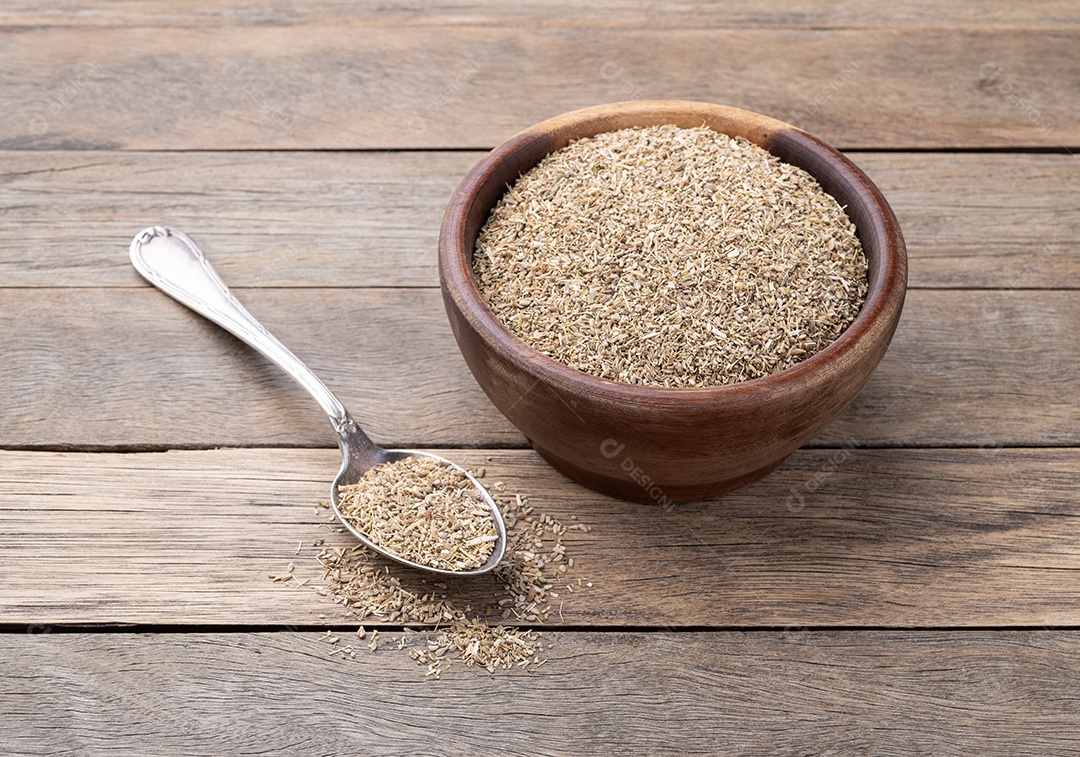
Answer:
(908, 584)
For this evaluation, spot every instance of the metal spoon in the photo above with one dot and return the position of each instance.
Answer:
(169, 260)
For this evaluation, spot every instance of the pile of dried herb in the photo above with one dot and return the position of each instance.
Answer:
(671, 257)
(424, 510)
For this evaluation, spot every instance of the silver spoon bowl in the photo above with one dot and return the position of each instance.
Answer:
(169, 260)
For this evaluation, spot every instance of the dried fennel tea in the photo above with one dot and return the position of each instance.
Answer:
(671, 257)
(423, 510)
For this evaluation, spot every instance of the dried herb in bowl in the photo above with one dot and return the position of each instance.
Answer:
(671, 257)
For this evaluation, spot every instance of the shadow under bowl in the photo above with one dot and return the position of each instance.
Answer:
(652, 443)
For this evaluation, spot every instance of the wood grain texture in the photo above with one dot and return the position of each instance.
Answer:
(890, 538)
(293, 219)
(472, 87)
(618, 14)
(266, 219)
(984, 221)
(899, 693)
(129, 368)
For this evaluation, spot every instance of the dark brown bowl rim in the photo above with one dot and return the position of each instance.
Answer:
(882, 302)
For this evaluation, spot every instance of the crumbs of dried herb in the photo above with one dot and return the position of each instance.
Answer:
(530, 578)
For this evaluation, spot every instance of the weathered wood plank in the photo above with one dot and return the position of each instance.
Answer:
(909, 538)
(619, 14)
(266, 219)
(984, 220)
(285, 219)
(436, 87)
(133, 368)
(824, 693)
(130, 369)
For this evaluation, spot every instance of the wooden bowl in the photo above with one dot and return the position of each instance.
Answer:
(659, 444)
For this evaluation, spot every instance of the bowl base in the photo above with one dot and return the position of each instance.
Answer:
(642, 489)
